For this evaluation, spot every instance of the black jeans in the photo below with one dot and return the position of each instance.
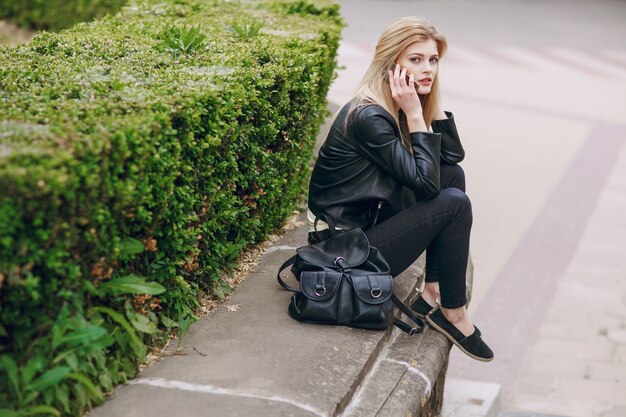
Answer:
(441, 226)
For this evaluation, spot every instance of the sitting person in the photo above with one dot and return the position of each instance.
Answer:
(390, 167)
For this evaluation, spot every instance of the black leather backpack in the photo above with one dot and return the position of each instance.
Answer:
(345, 281)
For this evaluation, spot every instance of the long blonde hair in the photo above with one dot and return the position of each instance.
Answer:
(374, 88)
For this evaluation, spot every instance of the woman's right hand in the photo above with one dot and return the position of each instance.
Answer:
(405, 96)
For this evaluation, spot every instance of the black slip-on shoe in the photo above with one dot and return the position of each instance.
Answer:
(421, 307)
(472, 345)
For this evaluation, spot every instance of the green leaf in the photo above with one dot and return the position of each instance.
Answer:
(57, 335)
(168, 322)
(5, 412)
(48, 379)
(130, 247)
(83, 336)
(80, 396)
(185, 39)
(59, 327)
(171, 44)
(183, 326)
(3, 331)
(105, 381)
(143, 324)
(31, 396)
(35, 365)
(91, 289)
(220, 293)
(10, 368)
(102, 343)
(246, 29)
(40, 409)
(62, 395)
(132, 284)
(47, 395)
(72, 360)
(93, 390)
(136, 344)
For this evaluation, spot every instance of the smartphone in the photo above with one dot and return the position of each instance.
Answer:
(408, 76)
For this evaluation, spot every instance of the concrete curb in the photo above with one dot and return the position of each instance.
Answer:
(409, 374)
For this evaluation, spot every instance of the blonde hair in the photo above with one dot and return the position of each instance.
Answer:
(393, 42)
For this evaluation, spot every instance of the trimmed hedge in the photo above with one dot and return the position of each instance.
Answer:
(139, 155)
(56, 14)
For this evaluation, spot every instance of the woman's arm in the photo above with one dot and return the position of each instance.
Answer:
(452, 151)
(375, 137)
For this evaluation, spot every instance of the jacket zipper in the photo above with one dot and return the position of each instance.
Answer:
(380, 205)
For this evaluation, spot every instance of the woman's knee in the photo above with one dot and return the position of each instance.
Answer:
(452, 176)
(456, 200)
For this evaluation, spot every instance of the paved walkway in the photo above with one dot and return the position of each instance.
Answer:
(576, 365)
(554, 306)
(544, 127)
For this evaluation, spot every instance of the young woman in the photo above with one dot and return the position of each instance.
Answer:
(389, 167)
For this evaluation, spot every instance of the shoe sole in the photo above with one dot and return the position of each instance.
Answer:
(454, 342)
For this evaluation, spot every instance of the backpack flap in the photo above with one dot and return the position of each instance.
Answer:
(320, 285)
(352, 246)
(373, 289)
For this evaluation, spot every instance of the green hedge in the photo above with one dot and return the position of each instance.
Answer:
(56, 14)
(139, 155)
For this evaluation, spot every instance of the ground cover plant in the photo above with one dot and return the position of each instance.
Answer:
(139, 154)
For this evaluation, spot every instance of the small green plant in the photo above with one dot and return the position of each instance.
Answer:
(246, 29)
(185, 40)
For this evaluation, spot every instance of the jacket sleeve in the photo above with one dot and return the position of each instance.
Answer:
(376, 139)
(452, 151)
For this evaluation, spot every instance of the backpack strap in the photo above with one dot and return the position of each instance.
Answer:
(406, 310)
(407, 328)
(284, 266)
(332, 230)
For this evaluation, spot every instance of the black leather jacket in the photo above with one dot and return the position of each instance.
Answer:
(367, 175)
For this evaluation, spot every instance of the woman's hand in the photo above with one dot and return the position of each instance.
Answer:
(405, 96)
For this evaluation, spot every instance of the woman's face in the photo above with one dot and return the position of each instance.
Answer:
(422, 60)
